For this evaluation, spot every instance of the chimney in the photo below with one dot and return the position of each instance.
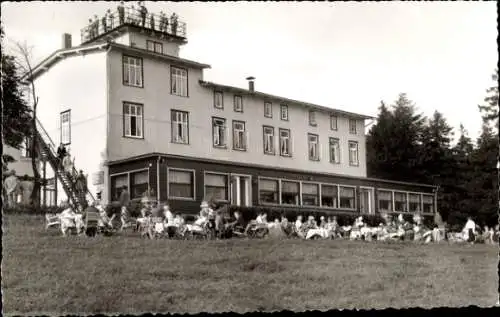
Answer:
(251, 85)
(66, 41)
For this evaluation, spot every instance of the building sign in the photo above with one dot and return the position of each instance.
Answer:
(98, 178)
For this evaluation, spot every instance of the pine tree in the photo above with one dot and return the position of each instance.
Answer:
(489, 110)
(436, 164)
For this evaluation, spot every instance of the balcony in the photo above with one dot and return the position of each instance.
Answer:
(106, 24)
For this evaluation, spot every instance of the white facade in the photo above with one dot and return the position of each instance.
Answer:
(77, 84)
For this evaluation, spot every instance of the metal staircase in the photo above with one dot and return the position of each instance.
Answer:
(47, 151)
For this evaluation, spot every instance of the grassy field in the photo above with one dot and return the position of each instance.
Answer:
(45, 273)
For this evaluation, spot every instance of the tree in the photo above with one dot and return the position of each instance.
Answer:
(437, 165)
(484, 183)
(16, 113)
(394, 142)
(28, 71)
(377, 149)
(489, 111)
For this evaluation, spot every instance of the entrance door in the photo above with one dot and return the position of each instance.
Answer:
(366, 200)
(240, 190)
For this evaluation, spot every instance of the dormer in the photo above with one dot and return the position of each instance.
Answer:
(160, 33)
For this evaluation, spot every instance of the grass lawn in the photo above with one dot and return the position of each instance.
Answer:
(44, 273)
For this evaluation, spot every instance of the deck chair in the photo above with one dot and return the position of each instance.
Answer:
(52, 220)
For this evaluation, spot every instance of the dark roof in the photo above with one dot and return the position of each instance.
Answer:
(284, 100)
(61, 54)
(177, 60)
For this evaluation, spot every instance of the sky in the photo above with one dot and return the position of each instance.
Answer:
(343, 55)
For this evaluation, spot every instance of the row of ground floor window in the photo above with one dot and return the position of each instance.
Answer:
(185, 182)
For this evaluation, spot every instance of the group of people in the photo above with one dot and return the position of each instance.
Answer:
(16, 191)
(131, 15)
(78, 179)
(158, 220)
(94, 219)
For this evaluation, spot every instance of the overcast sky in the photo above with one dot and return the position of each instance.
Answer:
(345, 55)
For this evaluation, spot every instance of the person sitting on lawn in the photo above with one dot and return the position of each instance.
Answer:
(203, 217)
(488, 235)
(104, 221)
(322, 222)
(67, 218)
(156, 224)
(124, 218)
(285, 225)
(237, 222)
(469, 231)
(168, 215)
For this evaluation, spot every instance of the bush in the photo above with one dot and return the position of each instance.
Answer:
(30, 210)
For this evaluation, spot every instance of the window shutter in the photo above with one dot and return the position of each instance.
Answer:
(268, 185)
(216, 134)
(329, 191)
(311, 189)
(246, 137)
(290, 187)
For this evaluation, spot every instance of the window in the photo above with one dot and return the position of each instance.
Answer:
(66, 127)
(284, 112)
(384, 198)
(219, 132)
(118, 184)
(352, 126)
(268, 140)
(428, 203)
(180, 184)
(180, 124)
(268, 110)
(139, 184)
(333, 122)
(310, 194)
(289, 193)
(353, 153)
(313, 146)
(238, 104)
(179, 81)
(133, 120)
(216, 186)
(415, 202)
(268, 191)
(218, 100)
(132, 71)
(347, 195)
(329, 196)
(153, 46)
(312, 118)
(334, 150)
(285, 143)
(239, 136)
(400, 202)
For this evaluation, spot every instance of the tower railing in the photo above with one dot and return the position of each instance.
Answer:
(132, 17)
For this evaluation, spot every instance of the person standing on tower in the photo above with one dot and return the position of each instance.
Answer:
(143, 11)
(152, 22)
(111, 19)
(121, 13)
(173, 21)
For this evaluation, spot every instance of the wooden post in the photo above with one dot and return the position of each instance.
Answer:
(44, 183)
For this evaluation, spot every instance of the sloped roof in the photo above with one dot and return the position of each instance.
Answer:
(284, 100)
